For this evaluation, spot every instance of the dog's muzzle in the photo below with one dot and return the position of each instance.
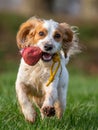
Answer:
(47, 55)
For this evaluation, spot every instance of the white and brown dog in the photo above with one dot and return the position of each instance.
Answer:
(51, 37)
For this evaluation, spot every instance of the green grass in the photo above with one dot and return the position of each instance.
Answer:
(82, 100)
(81, 111)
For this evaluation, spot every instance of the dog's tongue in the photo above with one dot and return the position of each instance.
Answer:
(46, 56)
(31, 55)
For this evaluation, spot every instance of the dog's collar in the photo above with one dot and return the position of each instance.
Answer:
(56, 59)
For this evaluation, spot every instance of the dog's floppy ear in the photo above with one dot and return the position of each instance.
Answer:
(67, 37)
(70, 43)
(22, 34)
(25, 32)
(68, 34)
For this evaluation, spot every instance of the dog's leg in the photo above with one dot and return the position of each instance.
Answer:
(62, 93)
(50, 98)
(26, 105)
(61, 104)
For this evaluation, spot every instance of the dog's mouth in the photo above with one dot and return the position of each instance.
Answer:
(46, 56)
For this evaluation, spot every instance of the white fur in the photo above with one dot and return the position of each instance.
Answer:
(34, 78)
(49, 38)
(31, 80)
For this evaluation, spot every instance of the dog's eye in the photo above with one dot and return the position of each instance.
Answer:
(57, 36)
(41, 33)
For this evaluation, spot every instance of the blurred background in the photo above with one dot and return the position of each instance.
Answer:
(82, 106)
(81, 13)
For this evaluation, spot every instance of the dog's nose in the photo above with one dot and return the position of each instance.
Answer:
(48, 47)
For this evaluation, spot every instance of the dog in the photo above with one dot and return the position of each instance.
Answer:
(31, 83)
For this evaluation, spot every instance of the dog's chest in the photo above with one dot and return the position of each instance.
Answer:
(34, 76)
(38, 76)
(35, 79)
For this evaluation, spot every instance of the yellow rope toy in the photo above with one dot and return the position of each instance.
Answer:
(56, 59)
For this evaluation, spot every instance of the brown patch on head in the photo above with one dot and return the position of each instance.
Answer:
(40, 33)
(57, 35)
(67, 36)
(67, 32)
(27, 31)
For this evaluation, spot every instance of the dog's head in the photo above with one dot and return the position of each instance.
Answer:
(48, 35)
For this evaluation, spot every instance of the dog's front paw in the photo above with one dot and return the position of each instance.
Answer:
(48, 111)
(30, 116)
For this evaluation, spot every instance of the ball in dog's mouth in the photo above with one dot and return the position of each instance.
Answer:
(32, 55)
(46, 56)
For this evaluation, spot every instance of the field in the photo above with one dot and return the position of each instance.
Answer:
(81, 111)
(82, 100)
